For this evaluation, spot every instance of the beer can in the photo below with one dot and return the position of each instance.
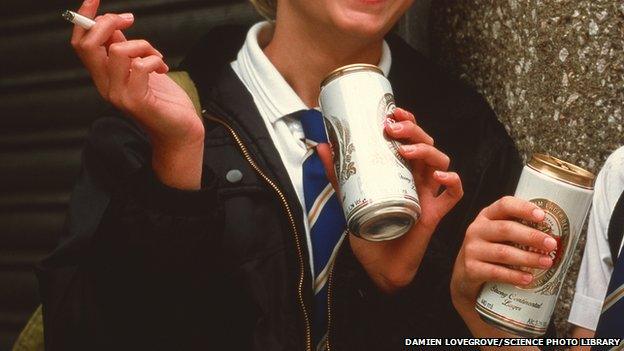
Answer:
(564, 191)
(377, 189)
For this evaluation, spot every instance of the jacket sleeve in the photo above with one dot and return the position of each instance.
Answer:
(129, 240)
(145, 221)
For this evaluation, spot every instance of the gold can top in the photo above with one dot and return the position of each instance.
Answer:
(344, 70)
(562, 170)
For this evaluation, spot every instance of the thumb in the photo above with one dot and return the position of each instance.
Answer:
(451, 195)
(325, 154)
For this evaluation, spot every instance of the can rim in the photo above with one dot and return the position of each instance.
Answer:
(358, 220)
(348, 69)
(562, 170)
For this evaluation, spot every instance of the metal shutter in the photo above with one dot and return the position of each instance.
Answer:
(47, 103)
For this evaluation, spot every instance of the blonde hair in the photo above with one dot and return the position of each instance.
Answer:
(266, 8)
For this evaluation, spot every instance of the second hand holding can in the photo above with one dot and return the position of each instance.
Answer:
(377, 189)
(564, 191)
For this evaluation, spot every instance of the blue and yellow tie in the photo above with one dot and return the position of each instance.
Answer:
(325, 219)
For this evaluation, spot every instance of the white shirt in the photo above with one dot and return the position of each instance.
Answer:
(597, 265)
(275, 99)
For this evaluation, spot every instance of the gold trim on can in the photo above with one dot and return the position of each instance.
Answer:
(344, 70)
(562, 170)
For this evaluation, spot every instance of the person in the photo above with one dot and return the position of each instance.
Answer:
(192, 233)
(597, 265)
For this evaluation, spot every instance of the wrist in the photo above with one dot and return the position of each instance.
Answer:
(181, 138)
(178, 163)
(463, 292)
(463, 304)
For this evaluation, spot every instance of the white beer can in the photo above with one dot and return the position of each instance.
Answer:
(377, 190)
(564, 191)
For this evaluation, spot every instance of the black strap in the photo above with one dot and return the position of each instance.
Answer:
(616, 228)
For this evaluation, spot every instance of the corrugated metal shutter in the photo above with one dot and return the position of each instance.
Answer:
(46, 105)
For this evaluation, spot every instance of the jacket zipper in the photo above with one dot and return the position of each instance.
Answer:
(291, 218)
(330, 280)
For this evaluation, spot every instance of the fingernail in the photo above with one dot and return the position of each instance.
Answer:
(550, 243)
(527, 278)
(408, 148)
(395, 127)
(127, 16)
(545, 261)
(538, 214)
(159, 54)
(441, 174)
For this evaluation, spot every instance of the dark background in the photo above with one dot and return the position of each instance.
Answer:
(47, 103)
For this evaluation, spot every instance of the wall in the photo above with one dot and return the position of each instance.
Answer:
(553, 71)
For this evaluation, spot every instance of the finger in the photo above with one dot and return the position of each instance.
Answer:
(92, 52)
(116, 37)
(120, 56)
(400, 114)
(133, 48)
(452, 193)
(428, 154)
(88, 9)
(510, 207)
(325, 154)
(104, 28)
(452, 182)
(513, 256)
(512, 231)
(408, 131)
(488, 272)
(140, 69)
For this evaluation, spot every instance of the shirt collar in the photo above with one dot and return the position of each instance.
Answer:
(267, 84)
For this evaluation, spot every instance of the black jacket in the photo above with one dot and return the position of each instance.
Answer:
(144, 266)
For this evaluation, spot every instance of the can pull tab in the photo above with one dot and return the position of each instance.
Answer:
(564, 166)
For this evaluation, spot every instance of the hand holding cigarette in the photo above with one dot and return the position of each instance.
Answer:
(130, 74)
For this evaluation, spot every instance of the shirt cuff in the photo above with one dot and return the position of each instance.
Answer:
(585, 311)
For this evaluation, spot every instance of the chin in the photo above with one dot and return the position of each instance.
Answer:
(367, 18)
(364, 26)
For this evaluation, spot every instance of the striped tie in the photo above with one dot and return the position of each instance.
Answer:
(611, 323)
(325, 218)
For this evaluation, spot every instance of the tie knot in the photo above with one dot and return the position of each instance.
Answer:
(313, 127)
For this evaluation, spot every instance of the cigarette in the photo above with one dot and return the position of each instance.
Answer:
(78, 19)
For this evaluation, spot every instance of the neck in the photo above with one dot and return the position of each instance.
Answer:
(305, 56)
